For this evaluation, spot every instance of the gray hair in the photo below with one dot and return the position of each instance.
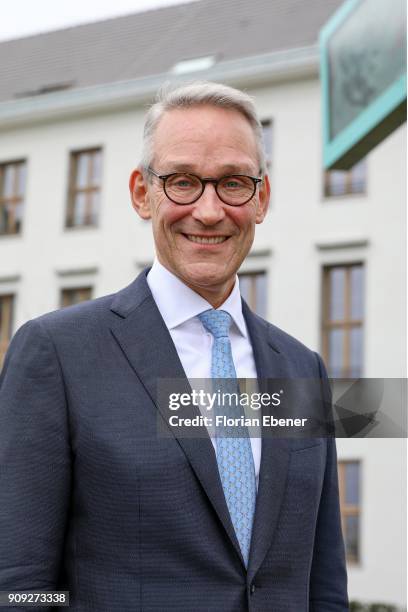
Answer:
(195, 94)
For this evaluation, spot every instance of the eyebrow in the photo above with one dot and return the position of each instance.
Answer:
(224, 170)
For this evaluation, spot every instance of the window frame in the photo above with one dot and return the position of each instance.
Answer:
(346, 509)
(253, 274)
(268, 122)
(65, 291)
(89, 189)
(16, 198)
(347, 323)
(5, 336)
(348, 180)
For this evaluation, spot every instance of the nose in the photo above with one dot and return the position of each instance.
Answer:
(209, 209)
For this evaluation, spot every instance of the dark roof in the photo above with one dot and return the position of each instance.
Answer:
(151, 42)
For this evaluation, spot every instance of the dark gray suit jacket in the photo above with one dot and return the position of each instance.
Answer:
(94, 502)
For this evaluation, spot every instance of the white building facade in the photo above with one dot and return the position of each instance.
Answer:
(317, 259)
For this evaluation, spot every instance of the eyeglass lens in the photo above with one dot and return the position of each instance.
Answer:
(185, 188)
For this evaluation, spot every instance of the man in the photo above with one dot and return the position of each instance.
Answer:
(92, 499)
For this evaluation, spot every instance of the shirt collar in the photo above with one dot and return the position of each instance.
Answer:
(178, 303)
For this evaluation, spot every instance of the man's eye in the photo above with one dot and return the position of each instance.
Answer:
(183, 183)
(232, 184)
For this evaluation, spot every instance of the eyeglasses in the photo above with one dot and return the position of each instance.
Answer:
(182, 188)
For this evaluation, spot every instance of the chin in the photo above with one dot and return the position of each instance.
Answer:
(206, 275)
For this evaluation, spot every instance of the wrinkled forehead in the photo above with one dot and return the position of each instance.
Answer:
(204, 130)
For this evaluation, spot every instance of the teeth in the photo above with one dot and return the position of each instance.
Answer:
(210, 240)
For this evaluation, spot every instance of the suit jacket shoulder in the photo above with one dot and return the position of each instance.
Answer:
(92, 316)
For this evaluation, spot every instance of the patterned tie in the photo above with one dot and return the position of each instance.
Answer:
(234, 453)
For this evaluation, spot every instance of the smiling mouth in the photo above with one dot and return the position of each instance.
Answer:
(206, 239)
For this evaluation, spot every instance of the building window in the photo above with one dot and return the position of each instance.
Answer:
(346, 182)
(84, 188)
(267, 142)
(343, 312)
(6, 322)
(12, 191)
(350, 503)
(69, 297)
(253, 287)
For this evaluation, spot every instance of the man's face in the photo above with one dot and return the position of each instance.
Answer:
(209, 142)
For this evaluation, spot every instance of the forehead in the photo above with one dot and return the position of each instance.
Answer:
(205, 132)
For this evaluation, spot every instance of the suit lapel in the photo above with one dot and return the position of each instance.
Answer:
(275, 454)
(145, 340)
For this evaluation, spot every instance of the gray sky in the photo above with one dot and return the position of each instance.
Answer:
(25, 17)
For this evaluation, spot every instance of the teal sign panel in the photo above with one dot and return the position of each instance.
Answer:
(363, 78)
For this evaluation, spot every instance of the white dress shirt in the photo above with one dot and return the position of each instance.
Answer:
(179, 306)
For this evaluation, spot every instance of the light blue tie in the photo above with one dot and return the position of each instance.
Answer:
(234, 453)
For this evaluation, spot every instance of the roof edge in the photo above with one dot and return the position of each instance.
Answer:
(244, 72)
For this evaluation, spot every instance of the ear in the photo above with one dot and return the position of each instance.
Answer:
(264, 195)
(139, 194)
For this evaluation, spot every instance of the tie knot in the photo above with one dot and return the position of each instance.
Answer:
(217, 322)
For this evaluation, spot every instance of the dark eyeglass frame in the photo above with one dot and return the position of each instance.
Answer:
(204, 181)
